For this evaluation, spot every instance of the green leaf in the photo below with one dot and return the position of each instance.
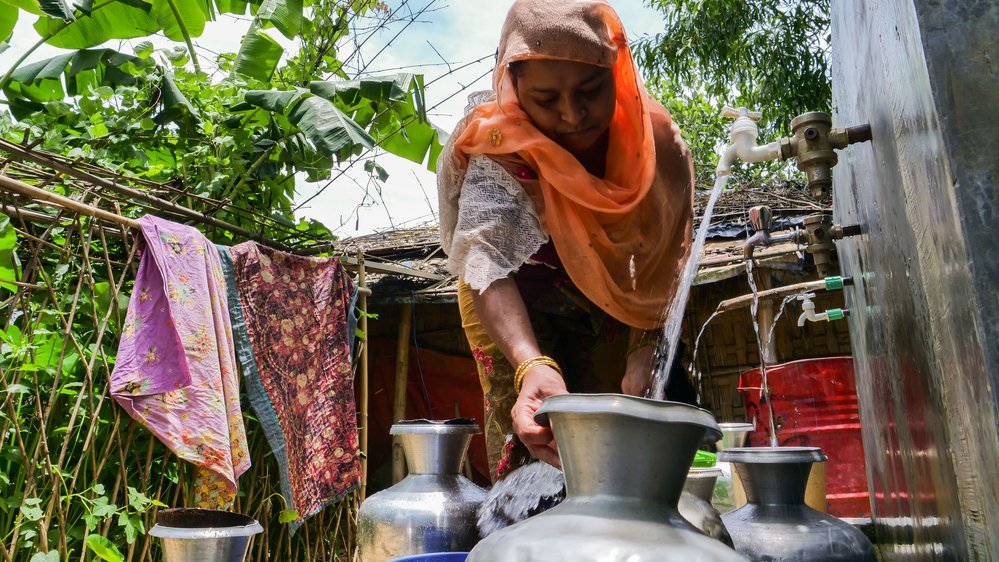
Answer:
(109, 19)
(50, 556)
(17, 388)
(133, 526)
(40, 81)
(374, 169)
(97, 131)
(30, 6)
(176, 107)
(57, 9)
(353, 93)
(8, 259)
(8, 19)
(285, 15)
(137, 500)
(31, 512)
(143, 50)
(104, 549)
(180, 19)
(326, 127)
(258, 56)
(288, 515)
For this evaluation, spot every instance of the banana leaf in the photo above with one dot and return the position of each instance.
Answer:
(57, 9)
(258, 56)
(327, 128)
(30, 6)
(8, 19)
(180, 19)
(69, 74)
(352, 93)
(285, 15)
(176, 108)
(108, 19)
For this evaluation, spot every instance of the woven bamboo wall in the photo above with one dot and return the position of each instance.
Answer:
(729, 346)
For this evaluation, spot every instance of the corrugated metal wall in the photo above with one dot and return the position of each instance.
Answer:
(924, 328)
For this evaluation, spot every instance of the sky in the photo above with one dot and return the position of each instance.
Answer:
(448, 35)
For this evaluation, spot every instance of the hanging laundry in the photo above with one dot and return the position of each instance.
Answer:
(259, 401)
(296, 313)
(175, 371)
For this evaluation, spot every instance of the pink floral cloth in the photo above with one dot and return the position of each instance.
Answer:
(295, 309)
(176, 371)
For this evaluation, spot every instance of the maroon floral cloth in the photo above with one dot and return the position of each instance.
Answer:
(296, 310)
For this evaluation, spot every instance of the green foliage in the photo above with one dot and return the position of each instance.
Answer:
(78, 479)
(104, 549)
(768, 55)
(8, 259)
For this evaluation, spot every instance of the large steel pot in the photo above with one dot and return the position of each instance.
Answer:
(204, 535)
(776, 524)
(625, 461)
(434, 508)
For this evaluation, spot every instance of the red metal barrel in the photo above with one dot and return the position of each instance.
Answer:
(815, 405)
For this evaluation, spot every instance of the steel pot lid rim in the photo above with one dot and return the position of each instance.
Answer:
(165, 532)
(460, 426)
(773, 455)
(631, 406)
(727, 427)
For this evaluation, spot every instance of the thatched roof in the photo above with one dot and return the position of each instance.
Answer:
(419, 248)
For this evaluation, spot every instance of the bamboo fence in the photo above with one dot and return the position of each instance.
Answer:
(74, 468)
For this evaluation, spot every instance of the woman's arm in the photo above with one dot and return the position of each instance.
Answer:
(502, 312)
(641, 355)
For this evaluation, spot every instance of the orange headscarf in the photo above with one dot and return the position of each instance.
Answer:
(623, 238)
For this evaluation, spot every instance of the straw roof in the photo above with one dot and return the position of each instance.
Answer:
(419, 248)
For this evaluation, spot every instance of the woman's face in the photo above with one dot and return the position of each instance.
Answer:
(572, 103)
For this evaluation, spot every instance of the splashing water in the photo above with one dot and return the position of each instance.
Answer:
(697, 345)
(674, 314)
(765, 392)
(780, 312)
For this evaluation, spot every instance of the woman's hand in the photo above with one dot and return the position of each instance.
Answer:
(539, 383)
(638, 373)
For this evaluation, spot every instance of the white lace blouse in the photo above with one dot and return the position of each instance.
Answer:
(498, 227)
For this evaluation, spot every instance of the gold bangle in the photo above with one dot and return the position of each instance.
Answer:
(518, 377)
(639, 345)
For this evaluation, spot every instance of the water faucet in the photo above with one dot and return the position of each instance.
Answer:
(808, 311)
(761, 220)
(817, 236)
(743, 135)
(812, 145)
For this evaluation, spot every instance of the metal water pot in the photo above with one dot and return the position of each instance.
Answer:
(204, 535)
(724, 497)
(625, 461)
(776, 524)
(433, 509)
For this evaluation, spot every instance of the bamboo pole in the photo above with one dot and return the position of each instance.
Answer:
(21, 188)
(778, 293)
(401, 379)
(136, 194)
(363, 302)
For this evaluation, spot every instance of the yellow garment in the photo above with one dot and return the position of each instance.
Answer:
(623, 238)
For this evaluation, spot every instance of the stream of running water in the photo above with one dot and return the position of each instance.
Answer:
(674, 314)
(765, 391)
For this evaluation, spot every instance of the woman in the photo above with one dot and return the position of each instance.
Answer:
(566, 205)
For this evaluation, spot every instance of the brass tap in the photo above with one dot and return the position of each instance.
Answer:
(817, 237)
(821, 232)
(813, 144)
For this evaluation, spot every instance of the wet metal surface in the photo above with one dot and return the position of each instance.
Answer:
(925, 307)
